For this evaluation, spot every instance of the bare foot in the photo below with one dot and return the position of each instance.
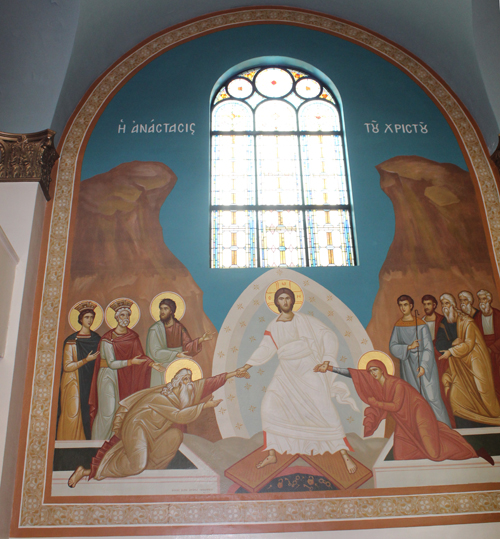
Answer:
(270, 459)
(77, 475)
(349, 464)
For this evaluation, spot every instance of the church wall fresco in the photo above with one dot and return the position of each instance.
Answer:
(256, 441)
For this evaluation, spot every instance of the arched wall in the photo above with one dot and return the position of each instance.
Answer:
(31, 509)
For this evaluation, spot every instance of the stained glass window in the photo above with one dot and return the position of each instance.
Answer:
(279, 184)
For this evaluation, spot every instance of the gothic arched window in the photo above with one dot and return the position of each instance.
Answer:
(279, 187)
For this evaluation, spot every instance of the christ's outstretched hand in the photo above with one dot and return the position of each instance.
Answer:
(322, 368)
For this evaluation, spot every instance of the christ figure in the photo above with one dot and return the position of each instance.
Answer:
(298, 415)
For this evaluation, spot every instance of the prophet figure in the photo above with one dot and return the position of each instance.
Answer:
(123, 370)
(145, 436)
(80, 350)
(168, 340)
(488, 323)
(467, 304)
(469, 378)
(417, 434)
(411, 343)
(447, 331)
(298, 415)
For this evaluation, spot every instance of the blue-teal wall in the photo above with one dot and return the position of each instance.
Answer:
(176, 88)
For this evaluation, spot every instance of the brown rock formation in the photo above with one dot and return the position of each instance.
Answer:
(439, 242)
(118, 250)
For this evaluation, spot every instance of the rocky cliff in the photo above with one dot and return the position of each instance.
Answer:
(439, 242)
(118, 250)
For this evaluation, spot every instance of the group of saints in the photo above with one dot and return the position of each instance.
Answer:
(449, 367)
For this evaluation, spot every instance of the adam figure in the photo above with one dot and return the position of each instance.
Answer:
(411, 343)
(298, 415)
(146, 424)
(168, 340)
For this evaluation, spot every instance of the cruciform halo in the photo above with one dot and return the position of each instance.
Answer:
(284, 283)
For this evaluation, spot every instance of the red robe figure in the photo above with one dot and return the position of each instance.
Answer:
(417, 433)
(488, 322)
(122, 370)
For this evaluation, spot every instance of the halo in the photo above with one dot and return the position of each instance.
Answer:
(179, 364)
(284, 283)
(134, 317)
(378, 355)
(154, 307)
(73, 316)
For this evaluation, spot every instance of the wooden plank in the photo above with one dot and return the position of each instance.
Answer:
(333, 468)
(246, 474)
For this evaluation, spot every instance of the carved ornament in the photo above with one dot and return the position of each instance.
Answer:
(28, 158)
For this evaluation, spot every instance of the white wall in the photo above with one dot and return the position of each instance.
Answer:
(8, 263)
(22, 207)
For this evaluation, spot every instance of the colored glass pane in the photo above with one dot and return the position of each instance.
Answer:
(323, 170)
(233, 239)
(233, 170)
(278, 170)
(329, 238)
(240, 88)
(281, 237)
(318, 116)
(232, 116)
(221, 95)
(275, 116)
(250, 74)
(297, 74)
(273, 82)
(308, 88)
(325, 94)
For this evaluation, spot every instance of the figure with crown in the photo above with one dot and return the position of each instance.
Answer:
(80, 351)
(122, 370)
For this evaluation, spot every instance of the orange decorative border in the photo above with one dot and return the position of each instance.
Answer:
(35, 515)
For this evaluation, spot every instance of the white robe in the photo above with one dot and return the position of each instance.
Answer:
(298, 415)
(108, 392)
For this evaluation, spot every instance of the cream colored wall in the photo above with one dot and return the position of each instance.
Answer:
(22, 207)
(8, 263)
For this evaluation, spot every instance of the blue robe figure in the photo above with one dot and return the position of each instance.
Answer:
(403, 335)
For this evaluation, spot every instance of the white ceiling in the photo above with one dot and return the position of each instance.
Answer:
(53, 50)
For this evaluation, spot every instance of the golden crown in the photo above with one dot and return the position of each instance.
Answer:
(85, 305)
(120, 303)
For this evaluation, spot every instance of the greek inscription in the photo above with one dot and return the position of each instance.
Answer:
(158, 127)
(373, 127)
